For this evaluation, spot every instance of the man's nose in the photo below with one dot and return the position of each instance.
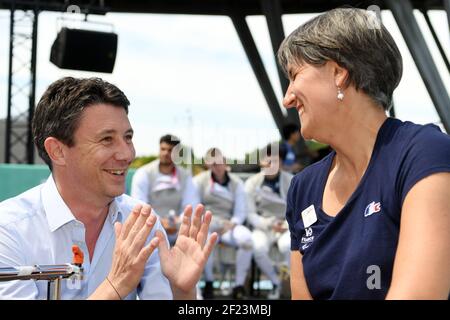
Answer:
(125, 151)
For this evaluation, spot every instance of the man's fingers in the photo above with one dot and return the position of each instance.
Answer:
(147, 251)
(162, 244)
(139, 223)
(210, 244)
(143, 234)
(129, 223)
(186, 222)
(196, 222)
(203, 233)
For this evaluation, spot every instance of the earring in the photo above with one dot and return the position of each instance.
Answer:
(340, 94)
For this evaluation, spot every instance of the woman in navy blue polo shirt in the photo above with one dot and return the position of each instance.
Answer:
(372, 219)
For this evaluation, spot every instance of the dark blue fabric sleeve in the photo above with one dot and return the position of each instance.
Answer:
(428, 153)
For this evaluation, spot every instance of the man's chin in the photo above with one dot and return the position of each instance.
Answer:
(112, 193)
(165, 163)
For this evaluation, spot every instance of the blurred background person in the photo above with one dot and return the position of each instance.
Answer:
(168, 187)
(291, 136)
(266, 193)
(223, 193)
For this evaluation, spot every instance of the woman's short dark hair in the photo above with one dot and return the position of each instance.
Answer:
(357, 41)
(59, 111)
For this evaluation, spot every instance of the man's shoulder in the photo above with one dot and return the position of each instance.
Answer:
(235, 178)
(183, 171)
(21, 207)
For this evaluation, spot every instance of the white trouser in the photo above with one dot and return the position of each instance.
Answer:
(262, 241)
(239, 237)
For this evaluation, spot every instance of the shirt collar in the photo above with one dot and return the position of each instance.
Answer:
(59, 214)
(56, 210)
(114, 212)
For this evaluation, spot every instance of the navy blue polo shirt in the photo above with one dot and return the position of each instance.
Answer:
(351, 256)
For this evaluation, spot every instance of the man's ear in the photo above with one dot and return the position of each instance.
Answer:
(340, 75)
(54, 149)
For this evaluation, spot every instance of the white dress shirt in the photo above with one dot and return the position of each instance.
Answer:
(37, 227)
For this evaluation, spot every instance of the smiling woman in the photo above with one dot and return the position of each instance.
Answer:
(361, 207)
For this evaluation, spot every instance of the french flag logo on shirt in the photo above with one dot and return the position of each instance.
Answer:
(372, 208)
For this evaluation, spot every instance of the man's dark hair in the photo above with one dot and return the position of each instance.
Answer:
(170, 139)
(59, 111)
(289, 129)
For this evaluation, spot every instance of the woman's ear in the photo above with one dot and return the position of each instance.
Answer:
(340, 75)
(54, 149)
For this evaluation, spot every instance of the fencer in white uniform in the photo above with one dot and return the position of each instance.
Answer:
(266, 193)
(223, 194)
(168, 188)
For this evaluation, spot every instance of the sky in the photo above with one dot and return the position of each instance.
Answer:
(188, 75)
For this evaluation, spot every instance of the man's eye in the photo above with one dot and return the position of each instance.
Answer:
(107, 139)
(129, 138)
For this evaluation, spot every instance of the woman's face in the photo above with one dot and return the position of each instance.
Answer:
(312, 91)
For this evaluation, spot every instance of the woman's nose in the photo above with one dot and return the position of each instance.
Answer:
(289, 99)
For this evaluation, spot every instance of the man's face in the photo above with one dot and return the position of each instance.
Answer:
(218, 166)
(165, 153)
(102, 152)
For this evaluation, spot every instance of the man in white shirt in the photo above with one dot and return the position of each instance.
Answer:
(168, 187)
(81, 130)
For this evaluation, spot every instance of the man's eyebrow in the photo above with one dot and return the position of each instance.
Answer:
(113, 131)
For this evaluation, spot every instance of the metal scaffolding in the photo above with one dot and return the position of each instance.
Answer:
(21, 86)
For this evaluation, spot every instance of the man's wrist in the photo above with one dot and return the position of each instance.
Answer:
(104, 292)
(184, 295)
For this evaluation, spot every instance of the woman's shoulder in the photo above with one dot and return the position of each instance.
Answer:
(412, 139)
(414, 132)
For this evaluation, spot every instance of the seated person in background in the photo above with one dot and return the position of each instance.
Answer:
(291, 135)
(223, 192)
(168, 187)
(266, 193)
(81, 130)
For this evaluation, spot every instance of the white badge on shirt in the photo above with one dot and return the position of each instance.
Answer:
(309, 216)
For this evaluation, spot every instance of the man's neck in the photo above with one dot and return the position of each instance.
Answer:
(166, 168)
(91, 213)
(221, 179)
(85, 208)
